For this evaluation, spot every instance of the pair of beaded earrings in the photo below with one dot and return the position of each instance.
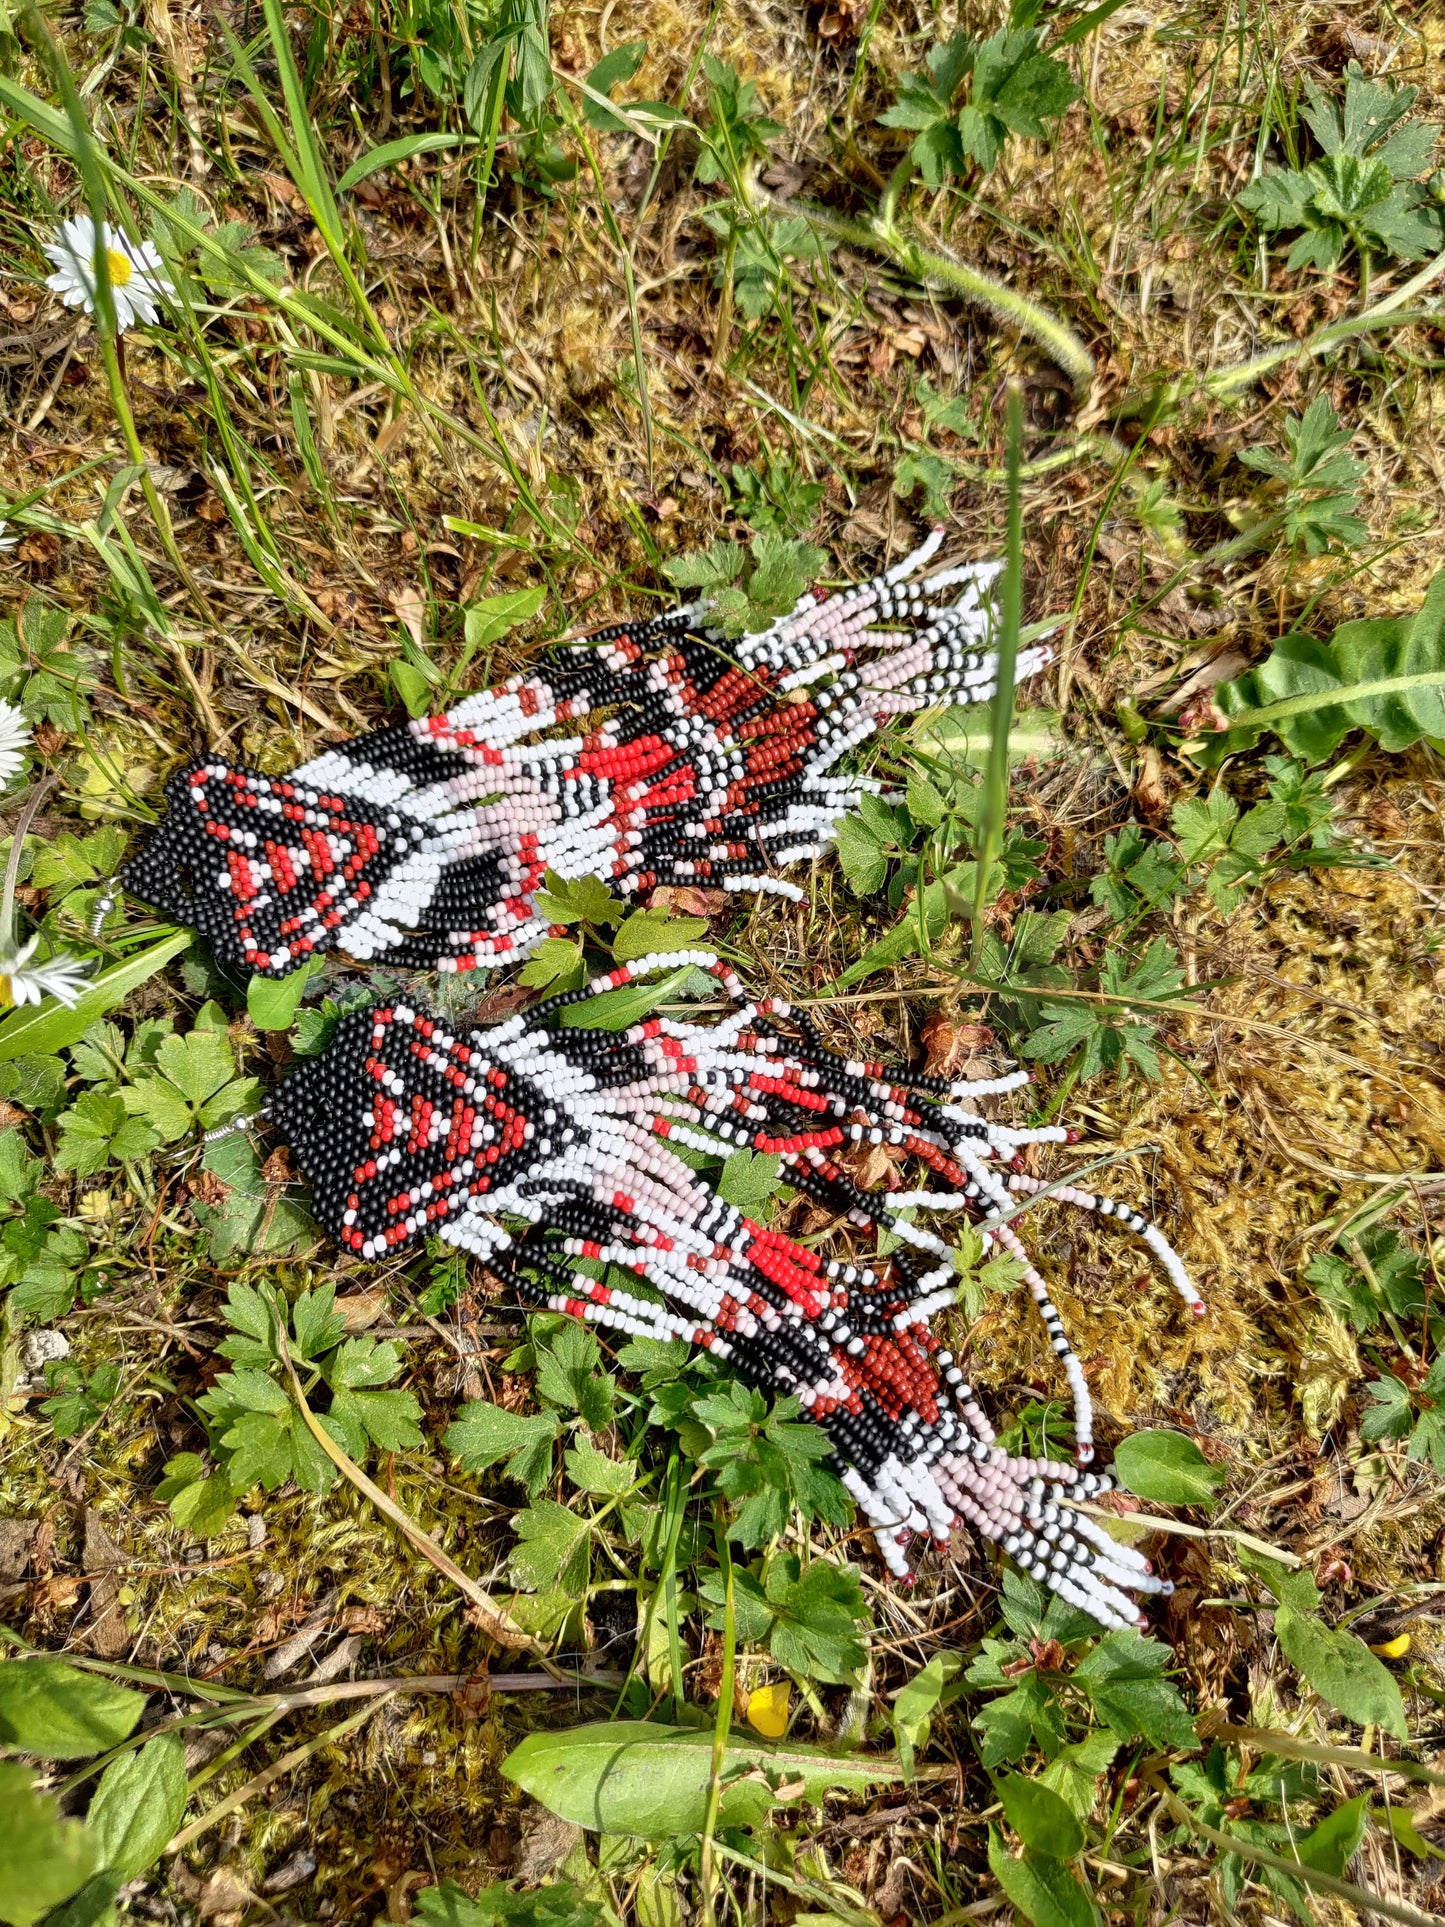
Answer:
(549, 1149)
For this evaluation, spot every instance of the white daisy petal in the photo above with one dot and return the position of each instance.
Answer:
(61, 976)
(7, 541)
(137, 273)
(14, 740)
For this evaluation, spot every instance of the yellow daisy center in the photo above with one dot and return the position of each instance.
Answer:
(7, 997)
(120, 267)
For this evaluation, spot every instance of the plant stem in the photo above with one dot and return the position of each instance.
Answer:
(721, 1728)
(12, 867)
(995, 779)
(942, 272)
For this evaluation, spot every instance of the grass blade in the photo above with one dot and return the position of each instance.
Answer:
(995, 776)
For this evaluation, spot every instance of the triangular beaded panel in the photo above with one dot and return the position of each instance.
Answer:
(398, 1124)
(268, 870)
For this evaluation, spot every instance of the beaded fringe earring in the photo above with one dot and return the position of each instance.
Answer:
(533, 1144)
(713, 763)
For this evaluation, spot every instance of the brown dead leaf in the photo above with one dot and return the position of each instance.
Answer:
(54, 1596)
(474, 1696)
(408, 605)
(546, 1841)
(358, 1309)
(286, 192)
(501, 1003)
(110, 1633)
(1149, 785)
(206, 1186)
(362, 1619)
(279, 1168)
(690, 902)
(948, 1044)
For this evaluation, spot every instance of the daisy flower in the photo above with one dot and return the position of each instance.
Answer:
(137, 274)
(7, 541)
(61, 976)
(14, 739)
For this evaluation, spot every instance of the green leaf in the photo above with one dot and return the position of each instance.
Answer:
(1123, 1676)
(483, 1435)
(552, 1549)
(1342, 1670)
(749, 1180)
(592, 1471)
(138, 1804)
(1074, 1770)
(650, 1781)
(557, 1905)
(862, 856)
(271, 1001)
(582, 900)
(650, 933)
(98, 1129)
(51, 1027)
(198, 1503)
(43, 1859)
(915, 1704)
(621, 1009)
(556, 962)
(1012, 1723)
(569, 1373)
(1040, 1818)
(489, 618)
(372, 162)
(1332, 1844)
(61, 1713)
(1042, 1888)
(1167, 1468)
(1385, 675)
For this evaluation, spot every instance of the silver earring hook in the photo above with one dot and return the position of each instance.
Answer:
(102, 908)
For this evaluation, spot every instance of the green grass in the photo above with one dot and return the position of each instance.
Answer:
(535, 351)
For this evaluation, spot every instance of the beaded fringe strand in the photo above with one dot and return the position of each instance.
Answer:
(711, 762)
(406, 1129)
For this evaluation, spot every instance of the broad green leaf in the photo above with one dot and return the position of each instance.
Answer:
(51, 1027)
(592, 1471)
(61, 1713)
(138, 1804)
(1168, 1468)
(198, 1503)
(1040, 1818)
(650, 933)
(388, 155)
(271, 1001)
(651, 1781)
(748, 1180)
(1383, 674)
(557, 1905)
(1332, 1844)
(43, 1859)
(1042, 1888)
(552, 1548)
(1123, 1676)
(620, 1009)
(1342, 1670)
(487, 620)
(862, 857)
(482, 1435)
